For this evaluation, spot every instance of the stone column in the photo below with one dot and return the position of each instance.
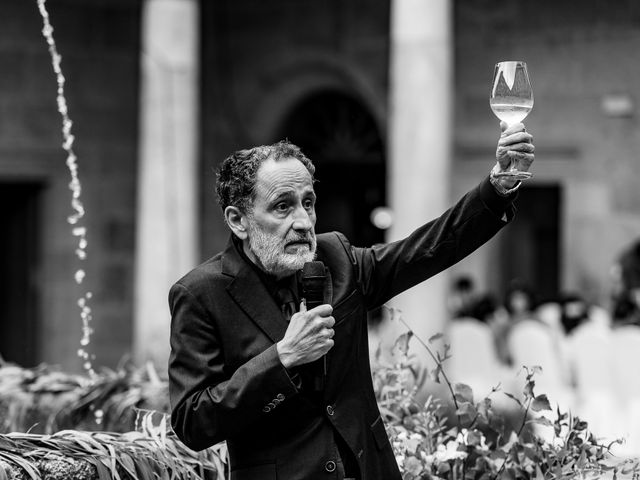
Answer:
(166, 235)
(420, 140)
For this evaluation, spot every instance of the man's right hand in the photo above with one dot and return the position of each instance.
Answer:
(308, 337)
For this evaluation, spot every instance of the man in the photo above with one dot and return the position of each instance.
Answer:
(244, 370)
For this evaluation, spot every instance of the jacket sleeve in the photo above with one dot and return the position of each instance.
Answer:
(386, 270)
(208, 405)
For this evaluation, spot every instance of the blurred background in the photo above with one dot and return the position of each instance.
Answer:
(389, 98)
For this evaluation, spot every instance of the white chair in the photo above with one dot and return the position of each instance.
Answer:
(626, 348)
(600, 316)
(550, 313)
(532, 343)
(590, 350)
(473, 356)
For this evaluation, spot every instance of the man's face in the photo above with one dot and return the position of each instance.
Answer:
(281, 236)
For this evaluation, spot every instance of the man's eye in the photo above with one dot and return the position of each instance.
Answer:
(282, 207)
(308, 204)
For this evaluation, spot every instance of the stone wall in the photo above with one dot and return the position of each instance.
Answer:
(99, 44)
(260, 59)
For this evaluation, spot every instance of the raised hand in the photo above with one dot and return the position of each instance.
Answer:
(515, 147)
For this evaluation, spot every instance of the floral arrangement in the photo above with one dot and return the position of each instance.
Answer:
(460, 438)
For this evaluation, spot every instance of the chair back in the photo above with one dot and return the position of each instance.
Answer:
(626, 348)
(474, 360)
(533, 343)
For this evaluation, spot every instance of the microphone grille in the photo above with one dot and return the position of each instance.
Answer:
(313, 269)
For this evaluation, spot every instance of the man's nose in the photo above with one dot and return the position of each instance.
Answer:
(302, 219)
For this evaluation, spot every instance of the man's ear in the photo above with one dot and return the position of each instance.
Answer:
(237, 221)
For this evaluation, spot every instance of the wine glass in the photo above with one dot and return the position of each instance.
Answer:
(511, 100)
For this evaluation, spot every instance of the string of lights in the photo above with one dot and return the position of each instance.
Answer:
(75, 186)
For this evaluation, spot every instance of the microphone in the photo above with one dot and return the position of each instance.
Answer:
(313, 279)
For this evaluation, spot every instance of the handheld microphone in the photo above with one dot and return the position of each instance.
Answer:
(313, 279)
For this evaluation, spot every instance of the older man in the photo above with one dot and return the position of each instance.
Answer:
(243, 365)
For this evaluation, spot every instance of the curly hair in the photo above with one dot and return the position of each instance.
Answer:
(236, 176)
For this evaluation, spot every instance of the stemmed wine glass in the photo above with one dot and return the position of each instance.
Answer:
(511, 100)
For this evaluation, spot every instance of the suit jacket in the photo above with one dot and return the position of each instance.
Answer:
(226, 380)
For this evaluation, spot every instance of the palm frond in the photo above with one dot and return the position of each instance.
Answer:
(104, 455)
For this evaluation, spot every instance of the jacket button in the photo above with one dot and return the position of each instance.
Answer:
(330, 466)
(266, 409)
(330, 410)
(280, 397)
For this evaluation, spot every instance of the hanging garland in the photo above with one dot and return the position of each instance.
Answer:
(76, 191)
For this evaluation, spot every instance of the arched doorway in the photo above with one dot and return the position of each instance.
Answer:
(341, 137)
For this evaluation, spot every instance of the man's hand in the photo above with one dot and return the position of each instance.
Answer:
(515, 148)
(308, 337)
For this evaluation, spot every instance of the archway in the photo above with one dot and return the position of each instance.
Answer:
(341, 137)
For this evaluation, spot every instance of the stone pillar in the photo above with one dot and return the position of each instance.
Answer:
(420, 140)
(166, 236)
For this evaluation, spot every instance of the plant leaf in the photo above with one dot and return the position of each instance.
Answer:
(435, 337)
(463, 392)
(541, 421)
(21, 462)
(512, 397)
(466, 408)
(402, 342)
(528, 389)
(541, 402)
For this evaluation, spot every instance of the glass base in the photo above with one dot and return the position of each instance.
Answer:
(515, 174)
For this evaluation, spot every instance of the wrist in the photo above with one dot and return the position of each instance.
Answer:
(285, 359)
(503, 185)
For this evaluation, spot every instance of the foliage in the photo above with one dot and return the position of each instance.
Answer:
(446, 437)
(44, 400)
(87, 455)
(477, 442)
(30, 398)
(73, 413)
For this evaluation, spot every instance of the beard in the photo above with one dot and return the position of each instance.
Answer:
(270, 250)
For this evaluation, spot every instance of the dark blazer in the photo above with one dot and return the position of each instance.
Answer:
(227, 383)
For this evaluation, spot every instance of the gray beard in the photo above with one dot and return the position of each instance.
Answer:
(272, 258)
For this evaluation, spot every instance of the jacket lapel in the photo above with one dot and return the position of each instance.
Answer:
(328, 284)
(251, 295)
